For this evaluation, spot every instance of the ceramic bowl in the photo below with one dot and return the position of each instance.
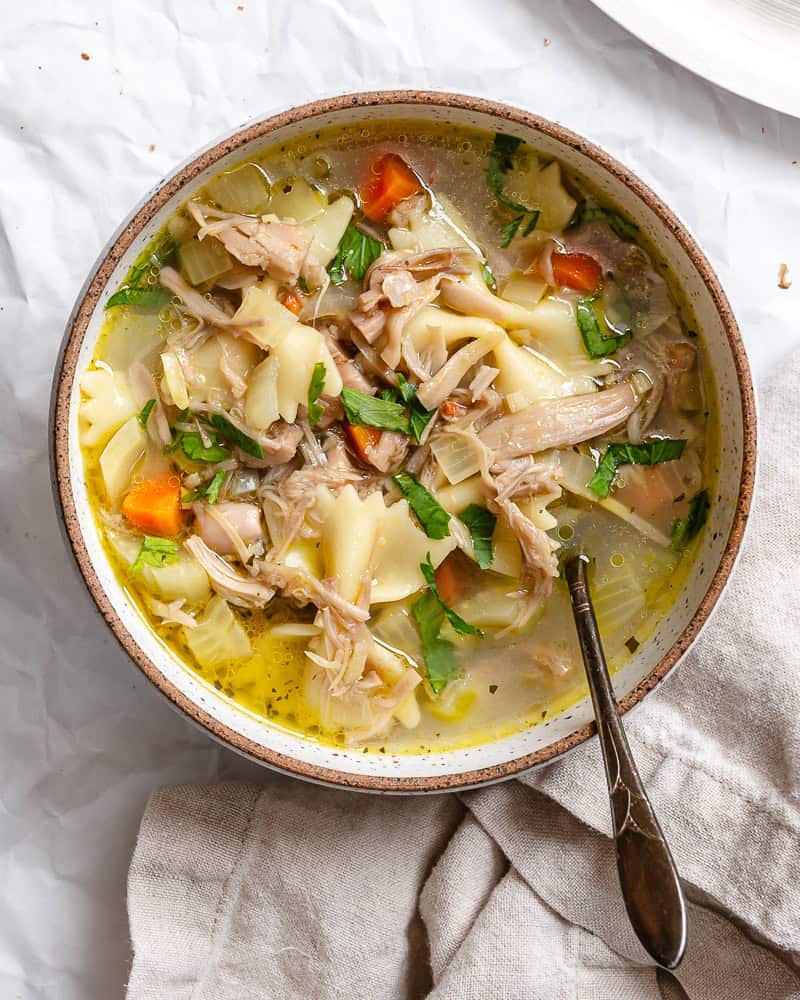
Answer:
(512, 755)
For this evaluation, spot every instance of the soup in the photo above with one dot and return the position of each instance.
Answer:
(355, 401)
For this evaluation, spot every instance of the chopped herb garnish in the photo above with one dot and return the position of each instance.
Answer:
(147, 409)
(501, 160)
(597, 344)
(684, 529)
(456, 621)
(624, 228)
(315, 387)
(135, 291)
(438, 653)
(213, 489)
(431, 515)
(632, 644)
(372, 411)
(191, 444)
(481, 523)
(302, 284)
(418, 416)
(156, 552)
(488, 277)
(146, 298)
(509, 231)
(356, 254)
(232, 434)
(647, 453)
(209, 492)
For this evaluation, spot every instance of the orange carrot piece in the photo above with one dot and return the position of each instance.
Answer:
(291, 301)
(389, 181)
(448, 581)
(362, 438)
(153, 506)
(649, 492)
(576, 270)
(450, 408)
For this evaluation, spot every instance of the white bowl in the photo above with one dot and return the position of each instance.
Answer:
(653, 660)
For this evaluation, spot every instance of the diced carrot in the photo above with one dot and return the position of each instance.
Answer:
(153, 506)
(447, 581)
(576, 270)
(450, 408)
(362, 438)
(292, 301)
(456, 577)
(649, 491)
(389, 181)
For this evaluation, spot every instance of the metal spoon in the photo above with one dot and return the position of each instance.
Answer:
(647, 876)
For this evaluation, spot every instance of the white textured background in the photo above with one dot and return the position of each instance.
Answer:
(82, 738)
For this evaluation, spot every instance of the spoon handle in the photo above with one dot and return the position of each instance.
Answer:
(647, 875)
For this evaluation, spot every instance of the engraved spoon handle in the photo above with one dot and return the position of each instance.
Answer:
(647, 875)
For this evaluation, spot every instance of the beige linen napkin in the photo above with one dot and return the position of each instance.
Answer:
(243, 892)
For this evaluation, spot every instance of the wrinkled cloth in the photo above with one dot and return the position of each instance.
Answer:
(282, 889)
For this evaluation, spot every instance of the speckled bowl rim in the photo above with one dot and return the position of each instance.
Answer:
(66, 370)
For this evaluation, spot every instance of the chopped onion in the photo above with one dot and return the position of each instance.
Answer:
(175, 381)
(243, 482)
(457, 455)
(203, 262)
(244, 189)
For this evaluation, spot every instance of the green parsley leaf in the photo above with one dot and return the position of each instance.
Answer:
(488, 277)
(509, 231)
(154, 297)
(135, 291)
(684, 529)
(481, 523)
(647, 453)
(212, 491)
(597, 344)
(356, 254)
(438, 653)
(430, 514)
(532, 222)
(156, 552)
(315, 387)
(232, 434)
(191, 443)
(209, 492)
(147, 409)
(371, 411)
(418, 416)
(456, 621)
(302, 284)
(501, 160)
(623, 227)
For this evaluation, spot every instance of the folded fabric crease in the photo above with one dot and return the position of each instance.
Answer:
(285, 889)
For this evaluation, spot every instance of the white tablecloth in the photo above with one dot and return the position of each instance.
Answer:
(83, 739)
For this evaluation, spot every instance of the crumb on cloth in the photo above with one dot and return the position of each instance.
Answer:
(783, 277)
